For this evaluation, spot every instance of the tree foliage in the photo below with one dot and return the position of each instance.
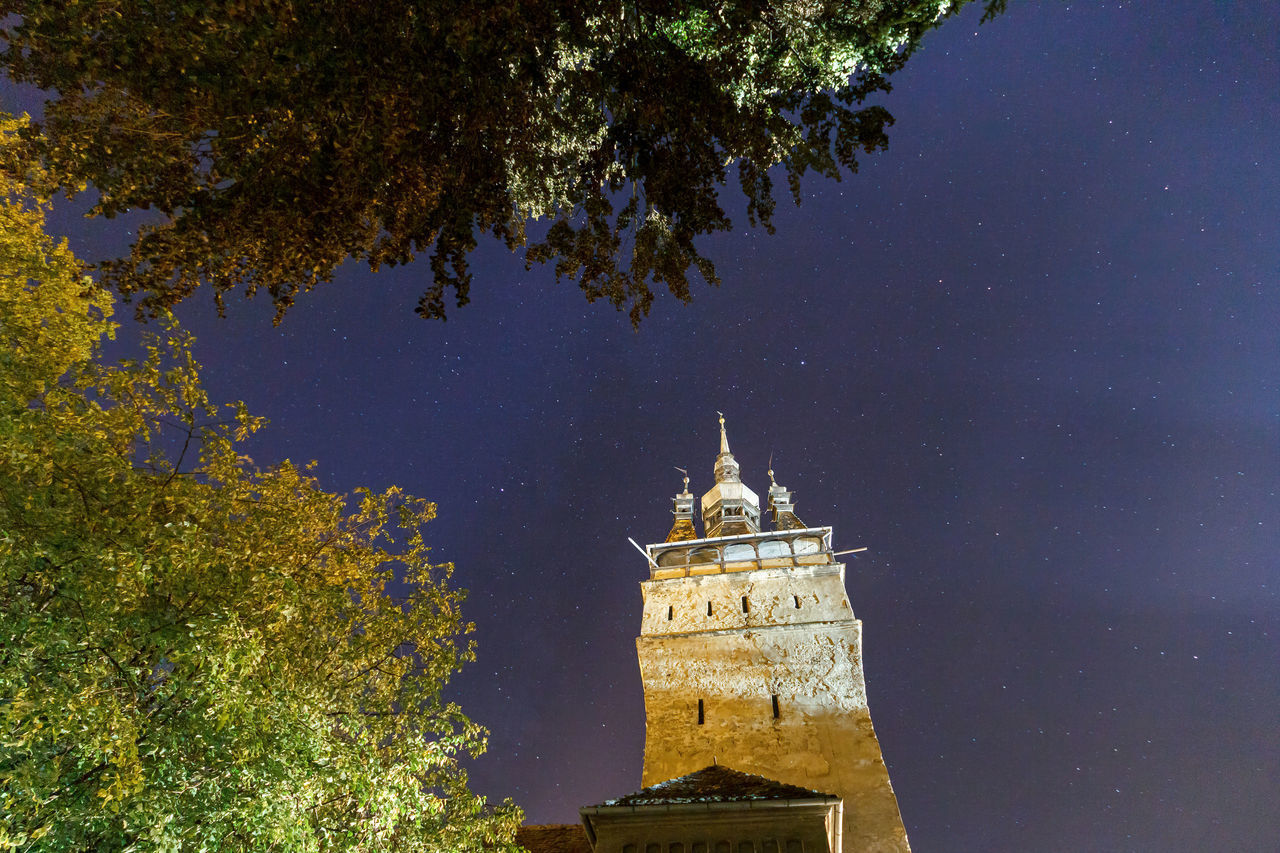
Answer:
(278, 138)
(196, 654)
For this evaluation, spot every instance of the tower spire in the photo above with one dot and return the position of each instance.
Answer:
(729, 508)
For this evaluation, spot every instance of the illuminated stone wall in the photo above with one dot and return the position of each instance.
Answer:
(771, 689)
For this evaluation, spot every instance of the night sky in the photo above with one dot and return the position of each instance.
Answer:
(1029, 357)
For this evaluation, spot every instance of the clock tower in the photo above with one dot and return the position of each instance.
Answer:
(751, 657)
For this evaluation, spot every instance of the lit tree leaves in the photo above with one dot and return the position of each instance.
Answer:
(194, 653)
(277, 140)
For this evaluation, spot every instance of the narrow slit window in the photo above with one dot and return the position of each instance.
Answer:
(708, 608)
(671, 612)
(746, 605)
(777, 712)
(797, 598)
(702, 716)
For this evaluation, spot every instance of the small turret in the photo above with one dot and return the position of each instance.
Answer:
(682, 528)
(784, 516)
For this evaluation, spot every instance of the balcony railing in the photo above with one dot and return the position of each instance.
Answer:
(771, 549)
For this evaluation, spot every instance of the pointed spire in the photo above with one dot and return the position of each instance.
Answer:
(729, 508)
(726, 470)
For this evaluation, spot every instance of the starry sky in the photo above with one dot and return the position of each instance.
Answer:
(1029, 357)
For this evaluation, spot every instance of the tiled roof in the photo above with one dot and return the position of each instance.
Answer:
(553, 838)
(715, 784)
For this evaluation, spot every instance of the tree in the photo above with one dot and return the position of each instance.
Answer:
(278, 139)
(195, 654)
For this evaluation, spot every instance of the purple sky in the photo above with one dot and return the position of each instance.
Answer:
(1030, 357)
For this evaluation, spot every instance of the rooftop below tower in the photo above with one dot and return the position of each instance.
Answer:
(717, 809)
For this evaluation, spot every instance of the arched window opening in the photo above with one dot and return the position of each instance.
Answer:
(807, 545)
(774, 548)
(673, 557)
(705, 555)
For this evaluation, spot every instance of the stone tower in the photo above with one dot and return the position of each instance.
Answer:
(751, 658)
